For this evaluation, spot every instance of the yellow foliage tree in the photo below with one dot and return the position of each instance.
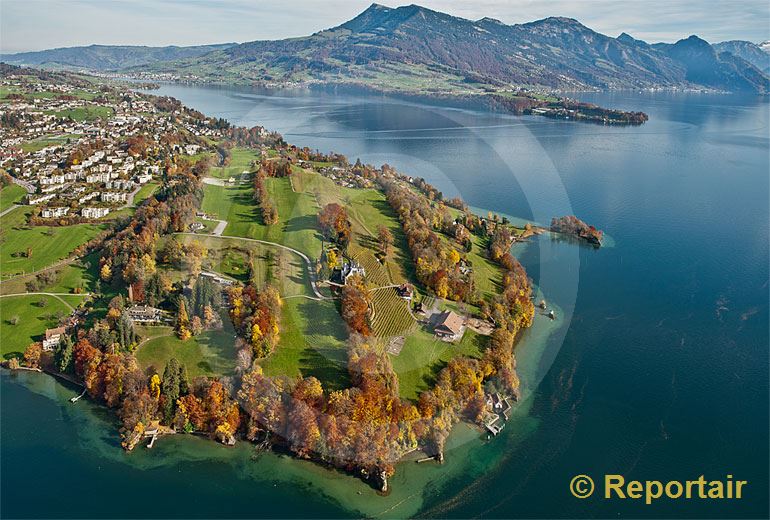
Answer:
(155, 386)
(332, 259)
(256, 334)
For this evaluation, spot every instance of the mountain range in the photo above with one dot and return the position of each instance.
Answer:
(415, 49)
(107, 57)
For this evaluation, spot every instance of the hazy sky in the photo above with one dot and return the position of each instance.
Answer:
(41, 24)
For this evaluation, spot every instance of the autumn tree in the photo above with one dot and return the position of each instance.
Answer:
(32, 355)
(182, 326)
(385, 238)
(355, 305)
(334, 223)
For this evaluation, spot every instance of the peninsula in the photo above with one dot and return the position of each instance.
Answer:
(203, 278)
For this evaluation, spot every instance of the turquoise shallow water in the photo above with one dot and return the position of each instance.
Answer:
(656, 369)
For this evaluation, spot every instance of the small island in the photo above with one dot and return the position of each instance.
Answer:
(527, 103)
(571, 225)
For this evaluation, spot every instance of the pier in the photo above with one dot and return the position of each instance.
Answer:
(77, 397)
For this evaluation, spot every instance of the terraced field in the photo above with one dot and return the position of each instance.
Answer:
(376, 274)
(391, 314)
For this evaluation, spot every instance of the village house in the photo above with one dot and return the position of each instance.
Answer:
(33, 200)
(54, 212)
(53, 337)
(144, 314)
(114, 196)
(94, 212)
(349, 268)
(86, 198)
(405, 291)
(449, 326)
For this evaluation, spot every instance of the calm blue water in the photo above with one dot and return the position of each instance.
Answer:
(659, 368)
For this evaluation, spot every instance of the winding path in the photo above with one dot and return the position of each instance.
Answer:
(308, 263)
(58, 296)
(60, 263)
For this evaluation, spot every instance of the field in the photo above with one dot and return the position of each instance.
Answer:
(423, 356)
(33, 319)
(312, 343)
(391, 314)
(231, 257)
(44, 142)
(67, 278)
(240, 162)
(297, 215)
(48, 244)
(86, 113)
(10, 195)
(145, 191)
(210, 354)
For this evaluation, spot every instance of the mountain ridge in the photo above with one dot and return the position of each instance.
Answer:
(107, 57)
(416, 49)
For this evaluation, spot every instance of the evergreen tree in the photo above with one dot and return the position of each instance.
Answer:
(184, 381)
(63, 355)
(170, 388)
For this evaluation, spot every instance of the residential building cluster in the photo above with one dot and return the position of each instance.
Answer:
(68, 146)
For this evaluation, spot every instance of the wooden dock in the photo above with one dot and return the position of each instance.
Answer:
(77, 397)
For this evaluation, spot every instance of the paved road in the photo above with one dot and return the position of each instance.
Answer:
(55, 295)
(130, 199)
(8, 210)
(222, 224)
(308, 263)
(25, 184)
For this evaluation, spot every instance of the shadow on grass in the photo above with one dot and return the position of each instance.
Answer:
(301, 223)
(327, 364)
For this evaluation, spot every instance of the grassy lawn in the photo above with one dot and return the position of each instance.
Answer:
(282, 268)
(33, 320)
(210, 354)
(487, 275)
(297, 215)
(49, 244)
(85, 113)
(145, 191)
(68, 278)
(312, 344)
(423, 356)
(44, 142)
(11, 194)
(240, 162)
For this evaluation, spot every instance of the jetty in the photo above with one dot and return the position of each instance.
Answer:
(77, 397)
(155, 430)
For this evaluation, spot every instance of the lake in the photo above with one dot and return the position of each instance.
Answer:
(656, 368)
